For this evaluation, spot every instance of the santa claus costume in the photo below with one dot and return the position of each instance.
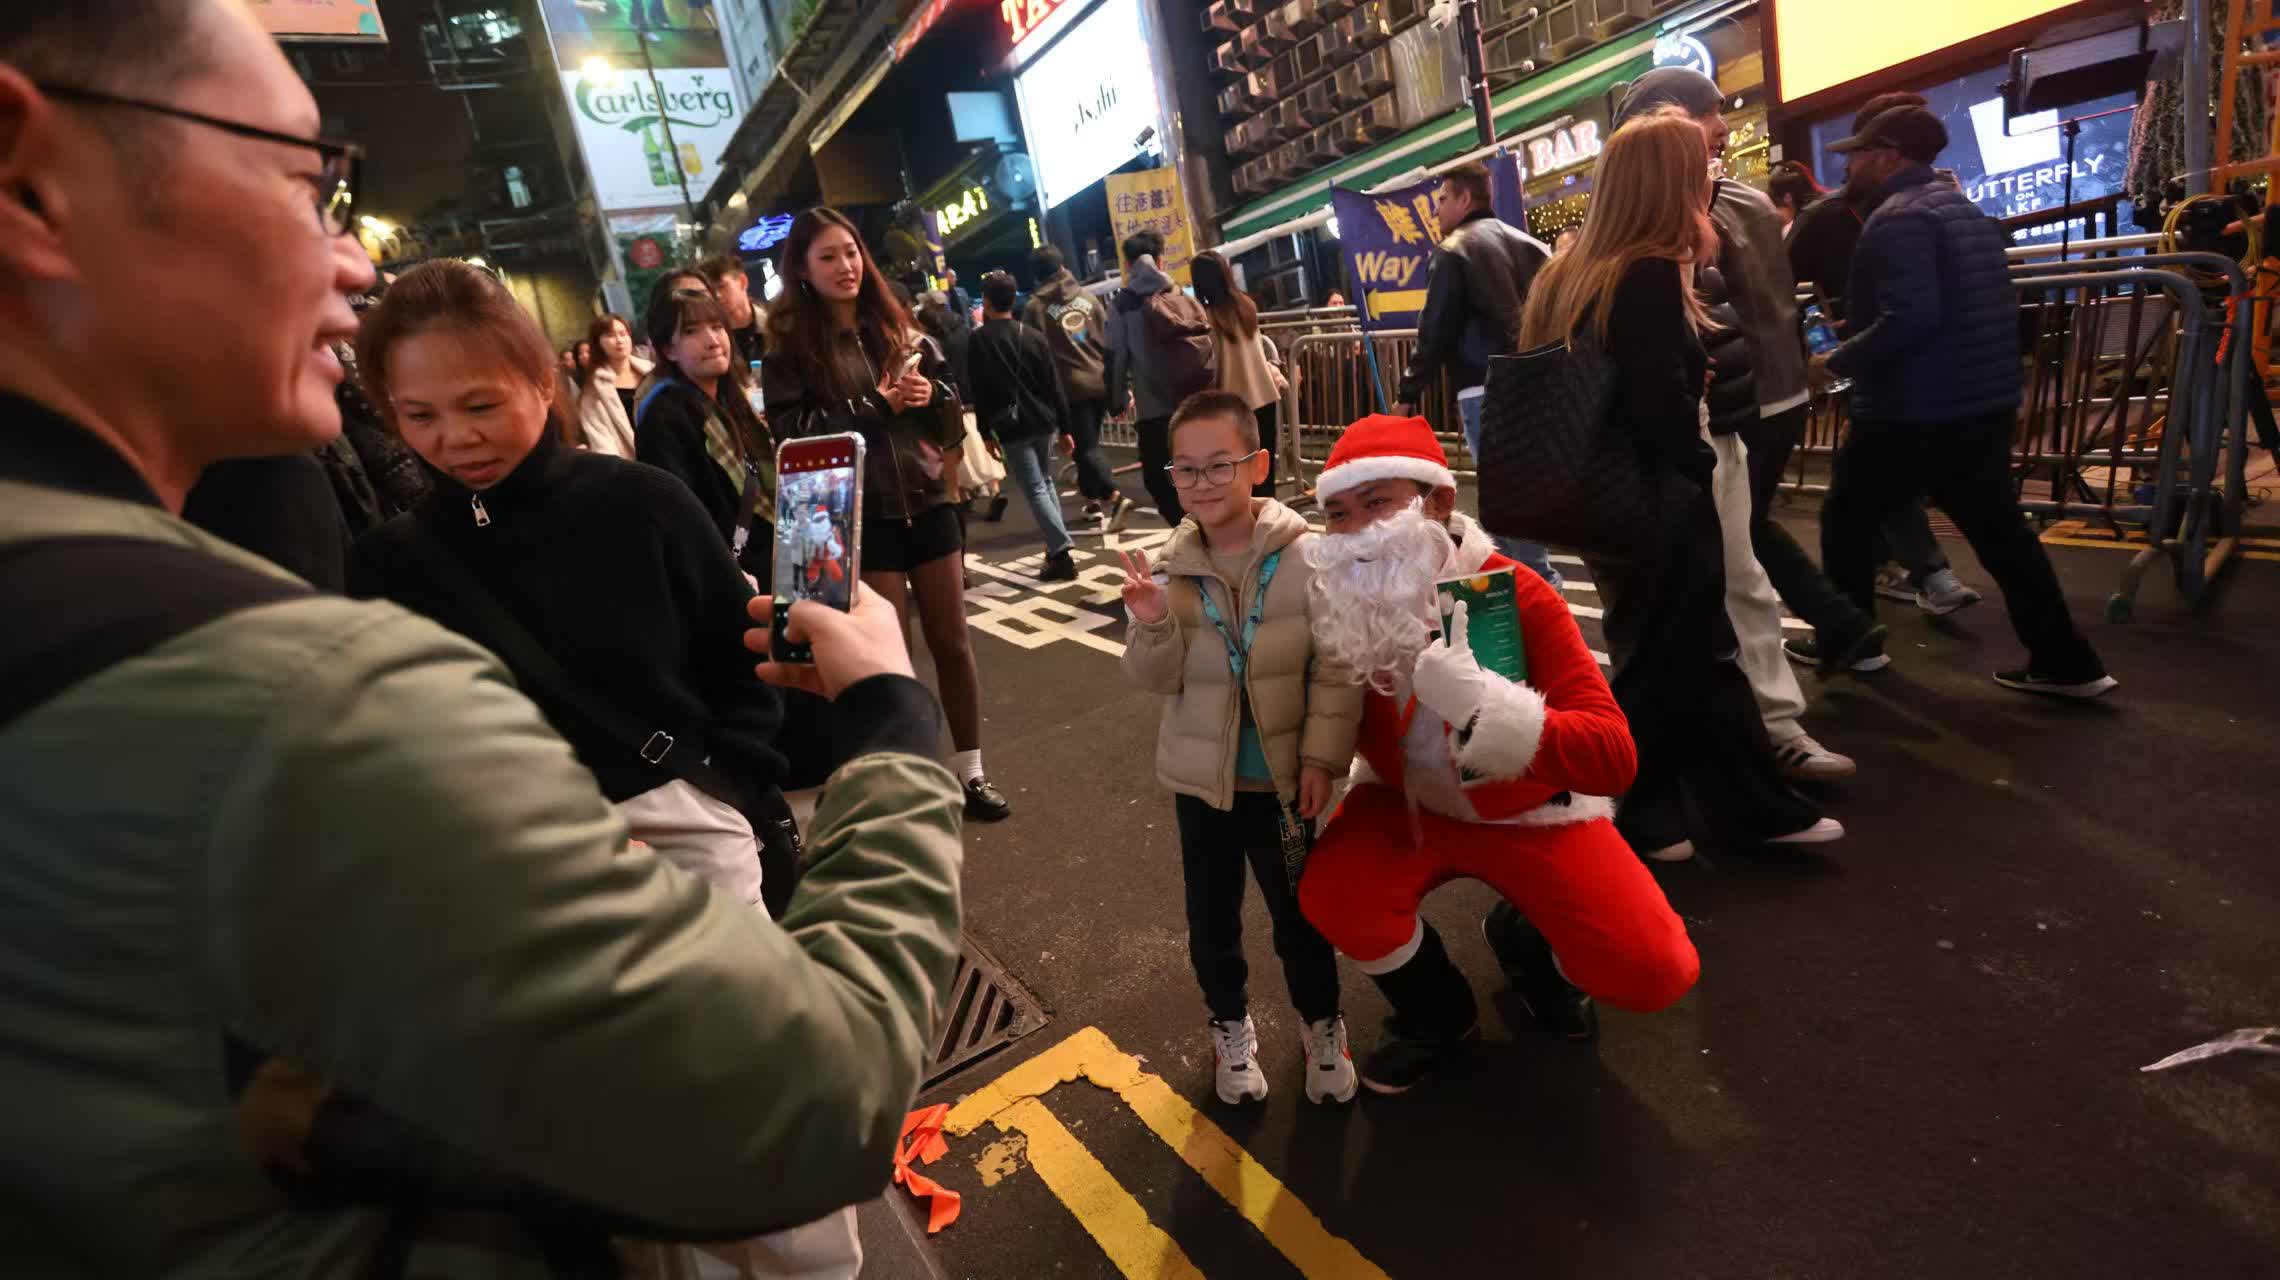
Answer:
(1464, 773)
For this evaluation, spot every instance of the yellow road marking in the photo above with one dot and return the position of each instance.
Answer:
(1108, 1213)
(2080, 533)
(1012, 1099)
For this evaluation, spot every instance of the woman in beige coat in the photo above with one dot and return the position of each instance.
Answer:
(605, 403)
(1249, 365)
(1255, 729)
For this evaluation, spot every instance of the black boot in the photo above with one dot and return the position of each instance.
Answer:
(1559, 1007)
(1433, 1014)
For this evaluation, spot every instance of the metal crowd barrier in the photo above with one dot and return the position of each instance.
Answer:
(2134, 413)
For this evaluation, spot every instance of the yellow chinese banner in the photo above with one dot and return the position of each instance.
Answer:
(1150, 201)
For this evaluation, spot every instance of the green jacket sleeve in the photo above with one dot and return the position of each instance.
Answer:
(421, 897)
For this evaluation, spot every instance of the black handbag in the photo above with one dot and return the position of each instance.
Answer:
(1555, 467)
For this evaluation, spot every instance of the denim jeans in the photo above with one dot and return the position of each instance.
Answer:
(1029, 465)
(1530, 554)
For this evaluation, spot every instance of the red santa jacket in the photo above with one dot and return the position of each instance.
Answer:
(1559, 732)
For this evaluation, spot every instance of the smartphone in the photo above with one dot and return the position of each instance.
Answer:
(819, 531)
(752, 395)
(910, 364)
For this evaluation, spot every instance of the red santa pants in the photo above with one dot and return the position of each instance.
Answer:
(1582, 887)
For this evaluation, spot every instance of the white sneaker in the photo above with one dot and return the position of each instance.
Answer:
(1822, 832)
(1943, 593)
(1680, 852)
(1892, 583)
(1804, 759)
(1329, 1063)
(1116, 514)
(1235, 1049)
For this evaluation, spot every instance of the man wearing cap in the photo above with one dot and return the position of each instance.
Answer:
(1764, 566)
(1821, 253)
(1932, 346)
(1468, 772)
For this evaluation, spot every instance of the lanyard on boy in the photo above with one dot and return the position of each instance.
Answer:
(1238, 657)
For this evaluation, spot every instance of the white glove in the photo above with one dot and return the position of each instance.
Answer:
(1449, 681)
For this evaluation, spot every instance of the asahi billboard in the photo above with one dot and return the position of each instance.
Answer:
(633, 138)
(652, 95)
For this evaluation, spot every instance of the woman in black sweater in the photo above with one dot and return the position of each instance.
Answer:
(844, 356)
(1626, 286)
(609, 568)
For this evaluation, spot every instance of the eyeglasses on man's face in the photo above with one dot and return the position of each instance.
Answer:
(1214, 474)
(336, 180)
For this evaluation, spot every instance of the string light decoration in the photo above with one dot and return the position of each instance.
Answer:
(1547, 220)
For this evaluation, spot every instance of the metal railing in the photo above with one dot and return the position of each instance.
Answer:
(2134, 413)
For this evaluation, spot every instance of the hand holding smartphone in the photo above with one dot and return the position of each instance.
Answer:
(819, 531)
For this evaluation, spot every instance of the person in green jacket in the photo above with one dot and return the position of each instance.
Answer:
(313, 870)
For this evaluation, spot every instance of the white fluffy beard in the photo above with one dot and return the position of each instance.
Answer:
(1373, 591)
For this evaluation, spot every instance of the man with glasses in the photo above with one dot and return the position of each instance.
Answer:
(310, 920)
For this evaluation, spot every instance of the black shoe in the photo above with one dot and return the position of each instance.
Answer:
(1559, 1007)
(1397, 1065)
(985, 803)
(2082, 686)
(998, 505)
(1060, 568)
(1862, 656)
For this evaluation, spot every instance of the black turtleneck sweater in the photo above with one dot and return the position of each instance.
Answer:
(612, 567)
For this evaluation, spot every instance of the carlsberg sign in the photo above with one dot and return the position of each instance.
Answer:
(623, 127)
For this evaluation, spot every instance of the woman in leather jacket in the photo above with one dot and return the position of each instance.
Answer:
(845, 356)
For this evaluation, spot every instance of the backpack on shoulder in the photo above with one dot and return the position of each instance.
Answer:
(1177, 336)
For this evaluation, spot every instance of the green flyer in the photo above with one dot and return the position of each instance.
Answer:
(1492, 620)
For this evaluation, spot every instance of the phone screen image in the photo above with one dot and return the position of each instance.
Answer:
(818, 518)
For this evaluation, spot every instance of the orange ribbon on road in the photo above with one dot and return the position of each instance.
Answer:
(922, 1140)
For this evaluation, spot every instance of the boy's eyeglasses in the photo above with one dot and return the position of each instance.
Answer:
(1218, 473)
(337, 181)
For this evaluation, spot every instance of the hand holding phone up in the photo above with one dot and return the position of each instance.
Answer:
(849, 647)
(908, 388)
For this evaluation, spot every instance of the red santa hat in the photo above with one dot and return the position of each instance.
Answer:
(1384, 447)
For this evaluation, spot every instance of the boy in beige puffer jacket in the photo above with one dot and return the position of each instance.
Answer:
(1256, 728)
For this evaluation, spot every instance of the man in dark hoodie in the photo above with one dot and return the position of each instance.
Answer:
(1021, 412)
(1131, 370)
(1075, 325)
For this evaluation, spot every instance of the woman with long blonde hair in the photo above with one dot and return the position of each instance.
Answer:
(1626, 288)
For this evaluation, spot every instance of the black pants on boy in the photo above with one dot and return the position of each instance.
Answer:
(1094, 480)
(1155, 468)
(1963, 464)
(1691, 710)
(1215, 844)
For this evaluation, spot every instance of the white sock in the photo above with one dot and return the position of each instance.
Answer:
(967, 765)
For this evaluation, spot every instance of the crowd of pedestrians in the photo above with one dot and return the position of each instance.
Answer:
(465, 877)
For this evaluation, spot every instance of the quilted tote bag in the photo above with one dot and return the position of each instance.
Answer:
(1554, 465)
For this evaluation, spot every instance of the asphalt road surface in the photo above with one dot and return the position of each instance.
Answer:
(1916, 1056)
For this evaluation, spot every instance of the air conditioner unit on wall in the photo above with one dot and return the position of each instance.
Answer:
(1303, 17)
(1220, 20)
(1254, 48)
(1316, 106)
(1611, 18)
(1227, 62)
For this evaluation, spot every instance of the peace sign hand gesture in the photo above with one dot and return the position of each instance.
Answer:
(1144, 597)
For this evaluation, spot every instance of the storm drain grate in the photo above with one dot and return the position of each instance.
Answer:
(983, 1010)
